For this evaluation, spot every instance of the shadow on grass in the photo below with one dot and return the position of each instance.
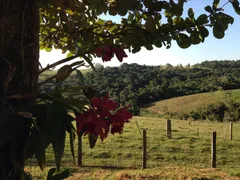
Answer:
(109, 167)
(75, 168)
(148, 105)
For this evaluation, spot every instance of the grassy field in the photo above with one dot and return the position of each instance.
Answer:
(185, 104)
(185, 156)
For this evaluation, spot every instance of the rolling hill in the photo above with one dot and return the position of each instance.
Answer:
(186, 104)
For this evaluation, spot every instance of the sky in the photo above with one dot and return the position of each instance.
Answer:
(227, 48)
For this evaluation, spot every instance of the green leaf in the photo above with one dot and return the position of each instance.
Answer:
(218, 32)
(195, 37)
(138, 16)
(58, 146)
(149, 47)
(112, 10)
(208, 9)
(215, 4)
(63, 175)
(202, 19)
(39, 112)
(80, 77)
(130, 17)
(177, 10)
(124, 21)
(148, 3)
(224, 18)
(69, 55)
(50, 173)
(71, 141)
(79, 103)
(69, 11)
(203, 31)
(89, 62)
(41, 157)
(183, 41)
(68, 123)
(190, 13)
(122, 11)
(63, 73)
(136, 49)
(168, 13)
(150, 24)
(56, 113)
(236, 6)
(177, 20)
(92, 139)
(32, 143)
(48, 48)
(158, 42)
(55, 116)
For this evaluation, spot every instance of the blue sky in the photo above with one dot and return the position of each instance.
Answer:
(227, 48)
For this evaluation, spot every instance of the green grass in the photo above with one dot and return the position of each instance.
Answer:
(185, 104)
(185, 155)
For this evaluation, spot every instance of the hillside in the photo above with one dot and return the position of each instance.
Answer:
(193, 103)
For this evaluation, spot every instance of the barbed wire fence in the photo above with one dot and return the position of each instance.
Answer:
(188, 147)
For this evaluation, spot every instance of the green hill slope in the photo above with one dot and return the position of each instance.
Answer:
(186, 104)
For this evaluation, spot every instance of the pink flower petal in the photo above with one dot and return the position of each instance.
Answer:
(99, 52)
(96, 102)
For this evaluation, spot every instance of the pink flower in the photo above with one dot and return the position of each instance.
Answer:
(100, 117)
(120, 53)
(118, 119)
(103, 105)
(107, 53)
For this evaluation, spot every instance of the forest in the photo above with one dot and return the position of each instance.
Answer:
(139, 85)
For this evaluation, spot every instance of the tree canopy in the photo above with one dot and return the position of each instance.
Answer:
(75, 26)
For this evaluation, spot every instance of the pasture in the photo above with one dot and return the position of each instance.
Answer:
(186, 156)
(186, 104)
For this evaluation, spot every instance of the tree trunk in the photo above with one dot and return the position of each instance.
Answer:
(19, 60)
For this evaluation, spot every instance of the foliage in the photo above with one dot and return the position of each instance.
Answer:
(59, 176)
(228, 111)
(142, 24)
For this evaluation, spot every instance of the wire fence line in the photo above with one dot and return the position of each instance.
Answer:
(188, 146)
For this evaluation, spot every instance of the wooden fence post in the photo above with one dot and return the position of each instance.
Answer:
(231, 130)
(214, 148)
(144, 163)
(198, 133)
(79, 150)
(169, 129)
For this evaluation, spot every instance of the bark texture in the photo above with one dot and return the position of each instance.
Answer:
(19, 60)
